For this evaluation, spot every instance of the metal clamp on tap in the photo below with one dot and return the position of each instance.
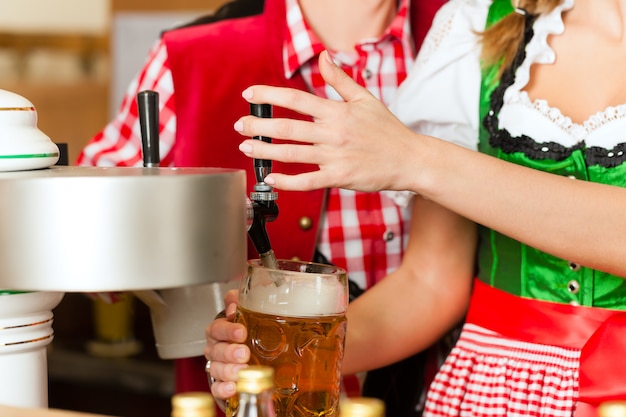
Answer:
(263, 198)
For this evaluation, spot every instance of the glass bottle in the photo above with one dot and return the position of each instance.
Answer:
(193, 404)
(361, 407)
(255, 388)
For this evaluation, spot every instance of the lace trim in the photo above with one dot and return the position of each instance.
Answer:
(609, 158)
(575, 130)
(611, 114)
(502, 139)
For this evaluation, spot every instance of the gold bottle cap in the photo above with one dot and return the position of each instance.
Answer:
(612, 409)
(193, 404)
(361, 407)
(255, 379)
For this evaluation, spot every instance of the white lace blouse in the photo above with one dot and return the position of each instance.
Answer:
(440, 97)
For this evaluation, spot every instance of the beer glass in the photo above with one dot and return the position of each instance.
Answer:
(296, 321)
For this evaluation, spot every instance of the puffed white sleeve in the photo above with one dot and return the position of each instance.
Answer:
(440, 97)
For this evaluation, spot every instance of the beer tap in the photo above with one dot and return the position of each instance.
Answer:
(148, 112)
(148, 109)
(263, 198)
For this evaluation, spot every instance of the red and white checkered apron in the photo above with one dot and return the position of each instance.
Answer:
(521, 357)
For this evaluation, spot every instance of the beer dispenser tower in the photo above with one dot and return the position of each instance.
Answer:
(162, 232)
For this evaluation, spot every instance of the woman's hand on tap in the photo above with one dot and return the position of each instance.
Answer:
(357, 143)
(225, 349)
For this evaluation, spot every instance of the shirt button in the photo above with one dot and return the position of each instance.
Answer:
(388, 236)
(367, 74)
(573, 287)
(305, 223)
(574, 266)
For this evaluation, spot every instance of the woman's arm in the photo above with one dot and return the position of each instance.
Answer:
(419, 302)
(359, 144)
(572, 219)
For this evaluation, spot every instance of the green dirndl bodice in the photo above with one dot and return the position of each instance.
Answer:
(521, 269)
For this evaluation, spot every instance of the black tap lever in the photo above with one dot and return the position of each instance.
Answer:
(263, 198)
(148, 109)
(262, 167)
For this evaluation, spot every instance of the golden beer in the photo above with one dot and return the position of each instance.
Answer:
(296, 324)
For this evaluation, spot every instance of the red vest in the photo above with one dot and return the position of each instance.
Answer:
(211, 65)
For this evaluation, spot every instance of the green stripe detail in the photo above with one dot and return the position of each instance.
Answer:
(29, 156)
(10, 292)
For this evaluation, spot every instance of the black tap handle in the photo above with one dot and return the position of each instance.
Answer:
(262, 167)
(148, 107)
(264, 111)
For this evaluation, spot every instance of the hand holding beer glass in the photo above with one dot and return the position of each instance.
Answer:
(296, 321)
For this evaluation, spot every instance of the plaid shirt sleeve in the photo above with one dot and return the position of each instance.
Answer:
(119, 143)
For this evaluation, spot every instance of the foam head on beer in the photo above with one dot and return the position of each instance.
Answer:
(289, 293)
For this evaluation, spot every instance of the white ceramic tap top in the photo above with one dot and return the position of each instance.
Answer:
(22, 145)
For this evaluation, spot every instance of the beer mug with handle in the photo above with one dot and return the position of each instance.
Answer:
(296, 321)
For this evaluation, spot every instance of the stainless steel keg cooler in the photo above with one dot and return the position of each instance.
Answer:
(167, 234)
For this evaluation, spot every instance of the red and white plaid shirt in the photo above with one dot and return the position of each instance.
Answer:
(366, 233)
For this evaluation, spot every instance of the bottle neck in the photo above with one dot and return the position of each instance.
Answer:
(256, 405)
